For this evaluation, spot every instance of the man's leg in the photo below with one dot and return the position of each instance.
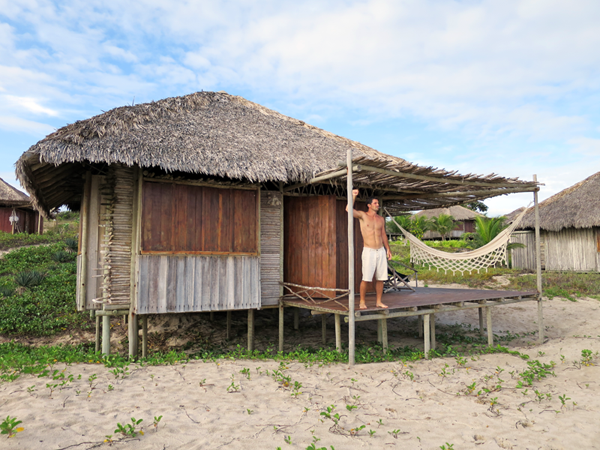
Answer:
(363, 293)
(379, 292)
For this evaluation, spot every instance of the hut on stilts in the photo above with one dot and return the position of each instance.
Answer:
(17, 215)
(210, 202)
(570, 230)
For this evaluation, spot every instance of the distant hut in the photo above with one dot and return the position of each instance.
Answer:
(209, 202)
(17, 215)
(570, 230)
(510, 217)
(464, 218)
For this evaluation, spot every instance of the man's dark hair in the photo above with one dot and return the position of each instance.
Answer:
(370, 200)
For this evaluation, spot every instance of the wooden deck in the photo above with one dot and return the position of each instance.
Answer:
(423, 302)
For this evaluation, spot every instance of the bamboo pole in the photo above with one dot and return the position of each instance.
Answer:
(281, 327)
(490, 331)
(351, 324)
(538, 265)
(144, 336)
(384, 335)
(432, 326)
(426, 333)
(338, 333)
(106, 335)
(250, 330)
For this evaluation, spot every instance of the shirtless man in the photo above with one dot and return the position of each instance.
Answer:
(372, 228)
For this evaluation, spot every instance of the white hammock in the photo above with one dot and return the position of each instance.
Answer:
(481, 258)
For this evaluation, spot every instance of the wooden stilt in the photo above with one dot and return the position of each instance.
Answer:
(420, 325)
(106, 335)
(432, 325)
(97, 334)
(481, 326)
(144, 336)
(338, 333)
(490, 332)
(228, 325)
(538, 263)
(350, 204)
(324, 328)
(426, 337)
(251, 330)
(281, 323)
(384, 335)
(296, 318)
(379, 334)
(133, 332)
(211, 316)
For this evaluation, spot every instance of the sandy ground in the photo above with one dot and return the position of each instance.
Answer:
(424, 404)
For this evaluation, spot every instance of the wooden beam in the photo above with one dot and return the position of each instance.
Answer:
(458, 194)
(434, 179)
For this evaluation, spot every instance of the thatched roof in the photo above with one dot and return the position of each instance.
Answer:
(220, 135)
(459, 213)
(11, 196)
(510, 217)
(575, 207)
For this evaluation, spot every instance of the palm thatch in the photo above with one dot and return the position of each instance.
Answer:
(11, 196)
(575, 207)
(459, 213)
(510, 217)
(219, 135)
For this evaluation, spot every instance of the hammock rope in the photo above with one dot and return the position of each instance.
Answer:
(480, 258)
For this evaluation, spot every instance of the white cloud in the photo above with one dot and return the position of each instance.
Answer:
(16, 124)
(29, 104)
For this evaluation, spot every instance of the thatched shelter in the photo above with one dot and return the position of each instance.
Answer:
(185, 201)
(570, 230)
(16, 212)
(463, 217)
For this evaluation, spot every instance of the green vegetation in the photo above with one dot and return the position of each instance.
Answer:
(65, 228)
(442, 224)
(37, 292)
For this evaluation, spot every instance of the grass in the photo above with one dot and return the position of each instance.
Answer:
(65, 226)
(46, 308)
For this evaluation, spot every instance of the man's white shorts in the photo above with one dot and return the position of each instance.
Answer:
(374, 262)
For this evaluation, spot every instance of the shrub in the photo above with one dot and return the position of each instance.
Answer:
(6, 291)
(29, 278)
(62, 256)
(72, 245)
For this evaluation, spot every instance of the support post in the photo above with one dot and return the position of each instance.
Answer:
(144, 336)
(133, 332)
(228, 324)
(296, 318)
(426, 337)
(490, 331)
(481, 332)
(97, 334)
(420, 325)
(538, 264)
(106, 335)
(324, 328)
(432, 325)
(281, 328)
(351, 322)
(338, 333)
(379, 332)
(211, 316)
(250, 330)
(384, 335)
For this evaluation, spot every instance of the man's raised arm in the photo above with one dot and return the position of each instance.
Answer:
(356, 214)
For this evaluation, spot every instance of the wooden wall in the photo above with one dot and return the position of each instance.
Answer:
(187, 219)
(316, 243)
(271, 247)
(174, 283)
(569, 249)
(28, 220)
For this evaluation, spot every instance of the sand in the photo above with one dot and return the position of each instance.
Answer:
(424, 404)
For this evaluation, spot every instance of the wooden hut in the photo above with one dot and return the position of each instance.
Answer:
(209, 202)
(570, 230)
(17, 215)
(463, 217)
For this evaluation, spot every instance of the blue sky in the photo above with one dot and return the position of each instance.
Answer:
(510, 87)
